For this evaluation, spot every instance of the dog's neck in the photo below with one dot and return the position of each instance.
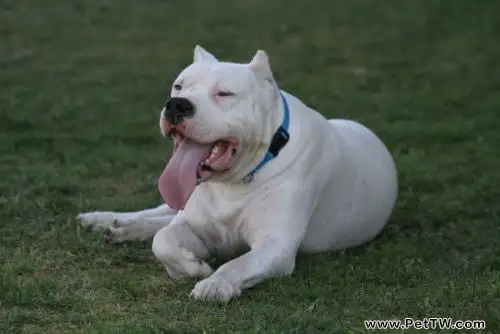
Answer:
(257, 154)
(278, 140)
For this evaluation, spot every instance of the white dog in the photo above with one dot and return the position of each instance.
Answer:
(255, 177)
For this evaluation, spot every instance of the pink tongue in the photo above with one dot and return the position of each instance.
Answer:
(178, 180)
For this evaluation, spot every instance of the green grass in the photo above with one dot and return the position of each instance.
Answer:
(81, 86)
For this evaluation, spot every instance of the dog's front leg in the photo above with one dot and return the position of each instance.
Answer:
(274, 231)
(127, 226)
(267, 258)
(102, 220)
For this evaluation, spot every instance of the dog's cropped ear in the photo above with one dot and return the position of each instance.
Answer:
(200, 54)
(260, 66)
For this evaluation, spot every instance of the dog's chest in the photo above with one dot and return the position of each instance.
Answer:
(217, 214)
(221, 205)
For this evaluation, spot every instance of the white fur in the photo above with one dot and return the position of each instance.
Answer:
(333, 186)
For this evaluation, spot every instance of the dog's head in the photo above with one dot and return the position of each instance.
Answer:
(222, 116)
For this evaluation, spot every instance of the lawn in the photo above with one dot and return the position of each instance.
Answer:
(81, 87)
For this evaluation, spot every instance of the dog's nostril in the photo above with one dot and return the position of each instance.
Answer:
(181, 109)
(184, 107)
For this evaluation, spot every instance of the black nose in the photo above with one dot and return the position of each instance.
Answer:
(177, 109)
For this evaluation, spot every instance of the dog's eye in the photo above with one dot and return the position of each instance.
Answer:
(177, 87)
(225, 93)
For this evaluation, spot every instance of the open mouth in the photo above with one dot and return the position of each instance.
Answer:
(216, 158)
(191, 163)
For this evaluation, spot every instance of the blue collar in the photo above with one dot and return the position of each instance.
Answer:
(279, 140)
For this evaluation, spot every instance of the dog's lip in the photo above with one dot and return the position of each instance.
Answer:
(174, 132)
(170, 131)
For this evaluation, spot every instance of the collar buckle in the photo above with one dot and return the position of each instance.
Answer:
(279, 140)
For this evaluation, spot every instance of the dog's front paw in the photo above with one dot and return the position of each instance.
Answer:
(129, 229)
(215, 288)
(97, 220)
